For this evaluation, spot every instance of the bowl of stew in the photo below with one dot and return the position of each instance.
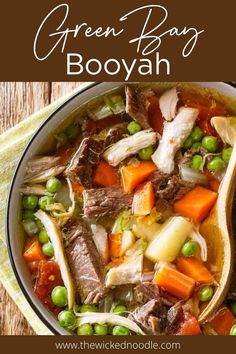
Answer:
(106, 204)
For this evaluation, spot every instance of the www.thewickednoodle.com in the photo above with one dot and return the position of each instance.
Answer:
(111, 345)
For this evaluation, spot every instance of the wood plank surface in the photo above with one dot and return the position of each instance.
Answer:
(17, 101)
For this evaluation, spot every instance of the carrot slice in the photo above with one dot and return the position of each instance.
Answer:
(144, 199)
(195, 269)
(222, 321)
(33, 250)
(115, 245)
(77, 188)
(174, 282)
(105, 175)
(196, 204)
(189, 326)
(132, 175)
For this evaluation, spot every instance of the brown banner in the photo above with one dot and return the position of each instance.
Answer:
(117, 40)
(128, 345)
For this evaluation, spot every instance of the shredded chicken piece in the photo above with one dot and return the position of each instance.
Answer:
(44, 175)
(41, 163)
(36, 189)
(129, 146)
(168, 104)
(174, 135)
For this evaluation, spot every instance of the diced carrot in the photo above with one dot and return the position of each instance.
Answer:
(115, 245)
(117, 261)
(33, 266)
(65, 153)
(189, 326)
(77, 188)
(222, 321)
(156, 119)
(195, 269)
(105, 175)
(174, 282)
(144, 199)
(132, 175)
(196, 204)
(33, 250)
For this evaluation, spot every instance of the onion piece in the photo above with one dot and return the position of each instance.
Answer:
(36, 189)
(59, 253)
(101, 241)
(110, 318)
(197, 237)
(192, 176)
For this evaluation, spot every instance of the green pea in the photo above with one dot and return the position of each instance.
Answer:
(59, 296)
(196, 145)
(189, 249)
(196, 162)
(88, 308)
(205, 293)
(233, 331)
(100, 330)
(233, 307)
(146, 153)
(72, 131)
(28, 214)
(120, 310)
(66, 318)
(45, 201)
(210, 143)
(196, 134)
(30, 202)
(43, 236)
(85, 330)
(48, 249)
(120, 331)
(226, 154)
(61, 139)
(188, 143)
(53, 185)
(215, 164)
(134, 127)
(30, 227)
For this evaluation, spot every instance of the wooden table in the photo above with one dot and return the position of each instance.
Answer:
(18, 101)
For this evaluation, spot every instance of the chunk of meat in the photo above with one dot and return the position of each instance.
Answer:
(174, 135)
(85, 158)
(85, 262)
(105, 201)
(135, 107)
(152, 291)
(116, 133)
(169, 187)
(168, 104)
(174, 315)
(151, 317)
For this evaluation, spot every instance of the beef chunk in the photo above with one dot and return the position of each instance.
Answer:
(169, 187)
(174, 316)
(135, 108)
(116, 133)
(153, 291)
(190, 153)
(105, 201)
(86, 157)
(151, 317)
(84, 261)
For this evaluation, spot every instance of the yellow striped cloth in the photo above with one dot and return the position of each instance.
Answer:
(12, 143)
